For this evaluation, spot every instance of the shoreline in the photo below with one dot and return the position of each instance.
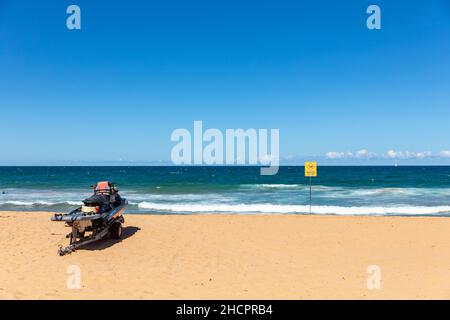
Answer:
(252, 214)
(219, 256)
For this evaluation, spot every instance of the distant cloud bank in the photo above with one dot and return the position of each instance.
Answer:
(390, 154)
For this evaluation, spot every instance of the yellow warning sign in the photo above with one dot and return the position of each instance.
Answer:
(310, 169)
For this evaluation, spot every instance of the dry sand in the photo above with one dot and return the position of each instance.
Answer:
(230, 257)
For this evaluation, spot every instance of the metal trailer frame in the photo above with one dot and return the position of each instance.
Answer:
(99, 224)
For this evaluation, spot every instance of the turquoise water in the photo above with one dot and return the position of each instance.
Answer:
(188, 190)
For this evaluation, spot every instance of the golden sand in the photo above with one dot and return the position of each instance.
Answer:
(230, 257)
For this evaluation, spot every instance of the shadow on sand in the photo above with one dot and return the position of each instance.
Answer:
(105, 243)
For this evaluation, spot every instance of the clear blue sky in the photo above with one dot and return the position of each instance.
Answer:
(137, 70)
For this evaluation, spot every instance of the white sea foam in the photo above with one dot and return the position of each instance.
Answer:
(247, 198)
(281, 186)
(286, 186)
(393, 191)
(299, 209)
(39, 203)
(28, 203)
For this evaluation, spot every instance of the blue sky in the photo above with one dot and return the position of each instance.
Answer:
(137, 70)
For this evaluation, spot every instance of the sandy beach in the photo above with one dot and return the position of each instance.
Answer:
(230, 257)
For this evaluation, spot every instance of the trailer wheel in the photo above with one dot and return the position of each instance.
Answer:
(116, 230)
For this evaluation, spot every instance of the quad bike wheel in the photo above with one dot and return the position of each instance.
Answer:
(116, 230)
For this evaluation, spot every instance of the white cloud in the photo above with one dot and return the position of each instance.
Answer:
(360, 154)
(420, 155)
(364, 154)
(394, 154)
(390, 154)
(444, 154)
(337, 155)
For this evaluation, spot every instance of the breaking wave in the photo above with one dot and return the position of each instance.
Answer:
(262, 198)
(39, 203)
(293, 209)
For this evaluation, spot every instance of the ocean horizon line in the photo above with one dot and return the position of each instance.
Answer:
(217, 166)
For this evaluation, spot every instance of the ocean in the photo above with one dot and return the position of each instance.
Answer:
(362, 190)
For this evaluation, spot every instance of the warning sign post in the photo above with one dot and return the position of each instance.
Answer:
(310, 171)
